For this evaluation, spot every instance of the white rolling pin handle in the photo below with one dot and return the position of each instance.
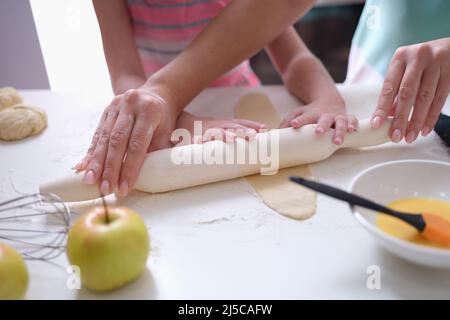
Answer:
(71, 188)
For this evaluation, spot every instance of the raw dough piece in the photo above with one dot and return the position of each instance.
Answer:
(9, 97)
(276, 191)
(257, 107)
(21, 121)
(283, 196)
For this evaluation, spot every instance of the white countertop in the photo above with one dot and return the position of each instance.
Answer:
(219, 240)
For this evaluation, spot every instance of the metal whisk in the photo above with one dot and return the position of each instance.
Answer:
(36, 225)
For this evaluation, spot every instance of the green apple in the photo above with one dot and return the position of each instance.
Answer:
(110, 247)
(13, 274)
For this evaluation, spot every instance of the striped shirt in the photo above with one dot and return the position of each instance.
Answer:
(164, 28)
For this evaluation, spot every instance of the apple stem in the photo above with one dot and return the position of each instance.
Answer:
(105, 207)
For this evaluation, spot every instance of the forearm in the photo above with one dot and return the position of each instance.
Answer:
(307, 78)
(303, 74)
(122, 83)
(284, 48)
(249, 25)
(124, 65)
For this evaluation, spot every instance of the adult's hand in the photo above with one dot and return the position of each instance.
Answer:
(136, 122)
(417, 81)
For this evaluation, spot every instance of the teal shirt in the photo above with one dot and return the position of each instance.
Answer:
(386, 25)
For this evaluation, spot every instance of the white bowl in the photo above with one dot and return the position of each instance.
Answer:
(393, 180)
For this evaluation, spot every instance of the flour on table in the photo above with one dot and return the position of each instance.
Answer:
(216, 220)
(276, 191)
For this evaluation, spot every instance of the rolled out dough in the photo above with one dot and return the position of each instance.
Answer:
(257, 107)
(276, 191)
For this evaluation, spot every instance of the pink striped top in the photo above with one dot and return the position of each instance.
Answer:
(163, 28)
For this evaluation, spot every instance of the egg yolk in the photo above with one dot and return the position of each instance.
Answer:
(399, 229)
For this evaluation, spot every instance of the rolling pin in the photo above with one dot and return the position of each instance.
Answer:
(168, 169)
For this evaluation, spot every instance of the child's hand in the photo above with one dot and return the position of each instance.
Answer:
(419, 76)
(221, 129)
(307, 79)
(326, 112)
(134, 123)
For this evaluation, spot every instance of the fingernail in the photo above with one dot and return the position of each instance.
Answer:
(197, 139)
(425, 131)
(89, 177)
(251, 133)
(410, 137)
(337, 141)
(351, 129)
(376, 122)
(294, 123)
(77, 166)
(396, 136)
(230, 136)
(104, 187)
(82, 164)
(320, 131)
(123, 189)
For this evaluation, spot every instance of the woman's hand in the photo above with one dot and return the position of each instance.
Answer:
(418, 80)
(326, 112)
(136, 122)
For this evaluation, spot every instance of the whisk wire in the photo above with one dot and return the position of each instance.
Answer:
(36, 225)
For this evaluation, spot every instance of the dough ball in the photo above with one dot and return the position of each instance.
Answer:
(21, 121)
(9, 97)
